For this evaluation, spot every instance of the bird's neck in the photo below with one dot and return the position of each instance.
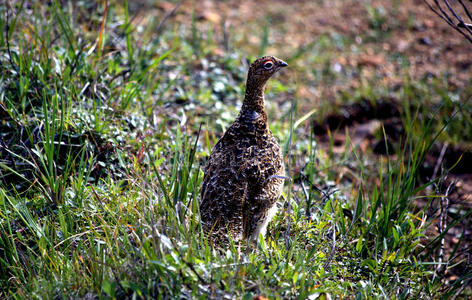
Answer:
(253, 104)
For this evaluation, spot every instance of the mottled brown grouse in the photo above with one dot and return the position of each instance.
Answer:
(244, 174)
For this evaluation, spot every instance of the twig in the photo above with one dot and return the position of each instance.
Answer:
(459, 291)
(7, 30)
(122, 73)
(444, 202)
(460, 26)
(333, 249)
(325, 195)
(458, 17)
(464, 25)
(440, 159)
(307, 197)
(225, 25)
(289, 207)
(192, 268)
(96, 195)
(168, 15)
(275, 176)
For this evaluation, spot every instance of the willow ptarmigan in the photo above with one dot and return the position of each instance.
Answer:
(245, 172)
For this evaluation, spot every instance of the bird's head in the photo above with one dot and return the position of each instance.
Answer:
(263, 68)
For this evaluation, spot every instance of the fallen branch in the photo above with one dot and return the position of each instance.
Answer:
(455, 17)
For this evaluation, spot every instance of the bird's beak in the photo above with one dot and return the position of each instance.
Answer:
(282, 64)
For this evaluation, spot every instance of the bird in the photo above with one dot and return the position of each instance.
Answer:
(244, 175)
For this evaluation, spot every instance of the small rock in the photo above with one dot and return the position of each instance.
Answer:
(425, 41)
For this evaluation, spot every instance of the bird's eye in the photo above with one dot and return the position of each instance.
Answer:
(268, 65)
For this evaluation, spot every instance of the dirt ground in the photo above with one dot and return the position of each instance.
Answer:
(430, 44)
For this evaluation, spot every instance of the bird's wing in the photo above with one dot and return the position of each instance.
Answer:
(258, 165)
(223, 193)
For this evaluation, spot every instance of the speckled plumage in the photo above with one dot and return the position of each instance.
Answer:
(244, 174)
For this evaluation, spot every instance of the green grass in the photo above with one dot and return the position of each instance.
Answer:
(103, 144)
